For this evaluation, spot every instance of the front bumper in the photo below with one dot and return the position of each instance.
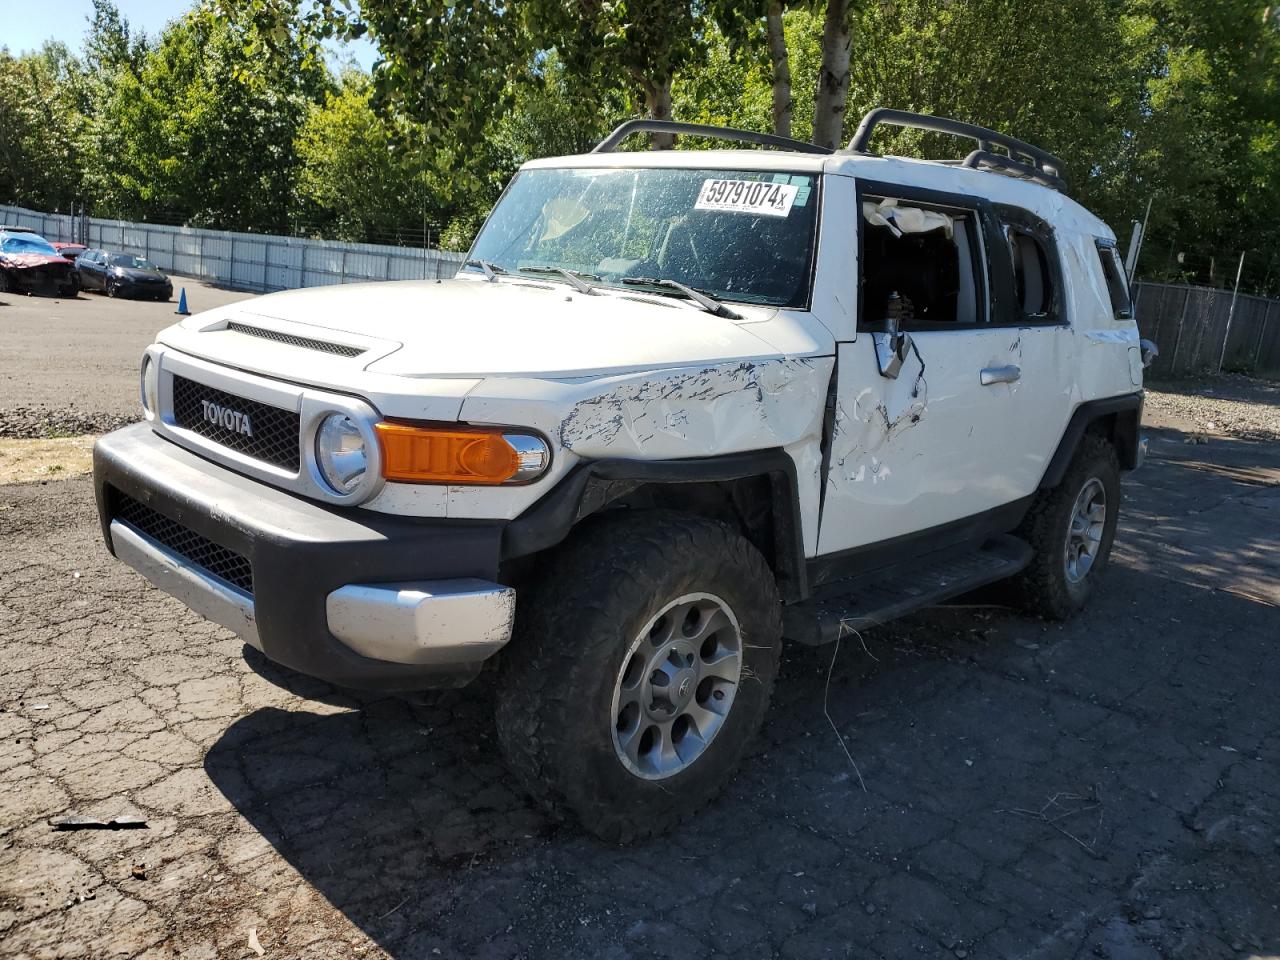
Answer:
(355, 598)
(132, 288)
(45, 282)
(124, 287)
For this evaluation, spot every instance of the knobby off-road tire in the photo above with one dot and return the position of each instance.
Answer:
(1061, 524)
(589, 661)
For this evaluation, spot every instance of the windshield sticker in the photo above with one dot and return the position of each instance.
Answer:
(747, 196)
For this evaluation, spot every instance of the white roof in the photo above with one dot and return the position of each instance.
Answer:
(1056, 208)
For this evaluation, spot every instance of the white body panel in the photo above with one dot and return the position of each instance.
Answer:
(935, 445)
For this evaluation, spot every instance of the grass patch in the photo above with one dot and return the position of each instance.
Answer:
(29, 461)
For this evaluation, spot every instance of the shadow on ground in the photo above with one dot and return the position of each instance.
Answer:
(1098, 788)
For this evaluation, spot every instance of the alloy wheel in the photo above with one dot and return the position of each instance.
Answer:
(1084, 530)
(676, 686)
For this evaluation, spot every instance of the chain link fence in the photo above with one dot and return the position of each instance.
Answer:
(244, 261)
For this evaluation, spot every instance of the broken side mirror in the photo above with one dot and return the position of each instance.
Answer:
(1149, 352)
(892, 345)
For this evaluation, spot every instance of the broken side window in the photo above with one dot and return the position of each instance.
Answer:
(1117, 284)
(1032, 278)
(929, 256)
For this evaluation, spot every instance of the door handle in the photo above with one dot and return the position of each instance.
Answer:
(1007, 374)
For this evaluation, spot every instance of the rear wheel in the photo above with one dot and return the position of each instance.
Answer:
(641, 669)
(1071, 528)
(6, 284)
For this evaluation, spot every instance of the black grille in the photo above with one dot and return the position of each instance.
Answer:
(226, 565)
(273, 435)
(307, 343)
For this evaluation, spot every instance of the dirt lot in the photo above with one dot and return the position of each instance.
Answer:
(1103, 788)
(72, 365)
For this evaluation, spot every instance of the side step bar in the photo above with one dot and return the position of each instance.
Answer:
(883, 595)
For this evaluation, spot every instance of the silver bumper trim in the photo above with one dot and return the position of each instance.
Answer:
(175, 575)
(423, 622)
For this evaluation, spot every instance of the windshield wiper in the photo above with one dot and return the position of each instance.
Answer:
(704, 300)
(491, 270)
(576, 278)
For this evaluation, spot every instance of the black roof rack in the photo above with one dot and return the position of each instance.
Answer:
(1024, 159)
(624, 130)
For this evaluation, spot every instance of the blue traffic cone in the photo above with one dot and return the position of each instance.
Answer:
(182, 304)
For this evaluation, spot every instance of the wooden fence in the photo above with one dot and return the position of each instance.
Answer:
(1190, 325)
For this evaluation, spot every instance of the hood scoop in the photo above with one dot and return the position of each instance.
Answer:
(306, 343)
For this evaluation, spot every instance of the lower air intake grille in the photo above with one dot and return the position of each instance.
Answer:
(307, 343)
(226, 565)
(255, 429)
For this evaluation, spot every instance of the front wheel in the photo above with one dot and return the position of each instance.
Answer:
(641, 668)
(1071, 529)
(113, 289)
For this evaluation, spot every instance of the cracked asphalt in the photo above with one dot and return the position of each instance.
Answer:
(1102, 788)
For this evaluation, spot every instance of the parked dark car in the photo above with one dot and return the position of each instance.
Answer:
(71, 251)
(30, 264)
(122, 275)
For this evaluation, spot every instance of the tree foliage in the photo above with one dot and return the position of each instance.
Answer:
(229, 117)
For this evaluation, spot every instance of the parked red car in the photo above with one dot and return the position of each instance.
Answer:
(69, 250)
(30, 264)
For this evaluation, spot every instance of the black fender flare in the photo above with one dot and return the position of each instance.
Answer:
(1125, 433)
(591, 486)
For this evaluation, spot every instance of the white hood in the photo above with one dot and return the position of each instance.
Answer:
(475, 329)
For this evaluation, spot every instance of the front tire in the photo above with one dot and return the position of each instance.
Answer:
(642, 666)
(1071, 528)
(112, 290)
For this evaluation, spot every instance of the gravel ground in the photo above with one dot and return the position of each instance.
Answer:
(32, 423)
(1230, 405)
(71, 366)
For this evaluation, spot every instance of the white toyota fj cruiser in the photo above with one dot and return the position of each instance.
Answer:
(676, 407)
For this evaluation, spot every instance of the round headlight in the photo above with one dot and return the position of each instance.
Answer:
(340, 453)
(150, 386)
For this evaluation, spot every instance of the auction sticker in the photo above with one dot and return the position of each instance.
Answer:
(747, 196)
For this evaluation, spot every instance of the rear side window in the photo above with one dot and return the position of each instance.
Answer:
(1035, 291)
(1117, 284)
(1032, 278)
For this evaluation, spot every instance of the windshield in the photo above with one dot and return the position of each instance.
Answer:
(129, 260)
(737, 235)
(26, 244)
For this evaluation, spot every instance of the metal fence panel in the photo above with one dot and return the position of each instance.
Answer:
(1189, 324)
(250, 261)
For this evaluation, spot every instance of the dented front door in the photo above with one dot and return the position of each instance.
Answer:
(944, 440)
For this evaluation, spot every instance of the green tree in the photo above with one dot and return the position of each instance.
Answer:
(364, 174)
(1206, 139)
(205, 131)
(39, 128)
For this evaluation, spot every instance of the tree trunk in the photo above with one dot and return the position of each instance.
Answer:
(831, 98)
(781, 78)
(657, 100)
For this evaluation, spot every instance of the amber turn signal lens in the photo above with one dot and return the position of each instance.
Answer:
(413, 453)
